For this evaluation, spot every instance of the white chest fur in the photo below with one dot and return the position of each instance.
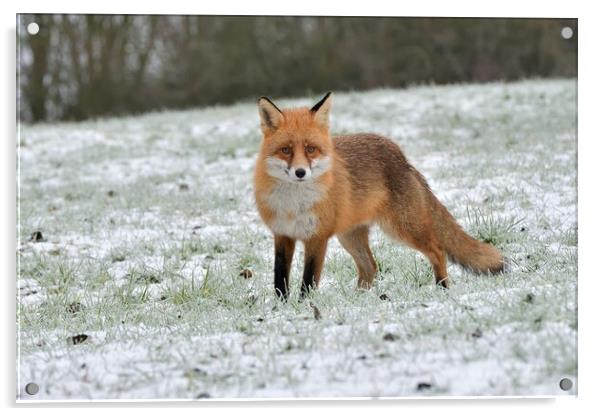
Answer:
(292, 204)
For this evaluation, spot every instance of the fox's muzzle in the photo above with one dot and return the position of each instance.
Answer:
(299, 173)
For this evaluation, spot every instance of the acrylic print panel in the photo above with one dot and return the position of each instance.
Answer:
(147, 268)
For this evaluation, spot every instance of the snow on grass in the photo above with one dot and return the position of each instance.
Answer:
(147, 223)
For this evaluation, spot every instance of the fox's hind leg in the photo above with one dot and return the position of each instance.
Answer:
(422, 237)
(433, 251)
(356, 242)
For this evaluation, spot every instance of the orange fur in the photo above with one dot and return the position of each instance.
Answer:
(350, 183)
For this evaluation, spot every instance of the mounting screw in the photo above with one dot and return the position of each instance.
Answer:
(566, 32)
(566, 384)
(32, 389)
(33, 28)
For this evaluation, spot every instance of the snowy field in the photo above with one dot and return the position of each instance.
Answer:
(137, 233)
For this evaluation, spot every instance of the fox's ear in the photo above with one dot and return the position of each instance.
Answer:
(321, 110)
(269, 114)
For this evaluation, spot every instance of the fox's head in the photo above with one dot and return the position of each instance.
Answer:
(296, 142)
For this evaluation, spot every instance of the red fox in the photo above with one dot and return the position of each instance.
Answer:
(310, 186)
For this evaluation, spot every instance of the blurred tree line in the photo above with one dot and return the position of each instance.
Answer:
(82, 66)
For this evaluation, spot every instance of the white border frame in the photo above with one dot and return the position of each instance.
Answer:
(589, 33)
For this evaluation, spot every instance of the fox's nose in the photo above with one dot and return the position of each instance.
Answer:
(300, 173)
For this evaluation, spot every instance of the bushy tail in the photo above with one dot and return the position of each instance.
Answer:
(461, 248)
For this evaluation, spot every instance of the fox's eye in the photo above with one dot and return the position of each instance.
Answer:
(310, 149)
(286, 150)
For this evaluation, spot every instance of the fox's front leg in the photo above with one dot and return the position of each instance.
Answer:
(315, 251)
(284, 250)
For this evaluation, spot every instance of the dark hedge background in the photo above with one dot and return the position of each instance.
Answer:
(82, 66)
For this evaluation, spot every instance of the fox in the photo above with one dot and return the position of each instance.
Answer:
(310, 186)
